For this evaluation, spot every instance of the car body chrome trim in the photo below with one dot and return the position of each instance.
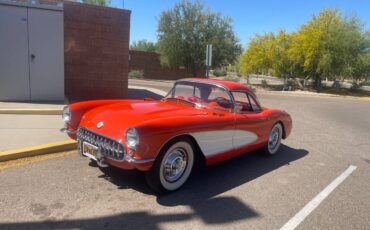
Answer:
(129, 159)
(207, 83)
(126, 157)
(255, 99)
(65, 130)
(70, 114)
(109, 138)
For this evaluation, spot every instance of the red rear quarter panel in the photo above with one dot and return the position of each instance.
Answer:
(277, 115)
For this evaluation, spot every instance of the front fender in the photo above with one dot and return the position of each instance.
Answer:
(79, 109)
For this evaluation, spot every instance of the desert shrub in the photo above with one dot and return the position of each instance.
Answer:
(219, 72)
(136, 74)
(356, 86)
(232, 78)
(292, 84)
(264, 83)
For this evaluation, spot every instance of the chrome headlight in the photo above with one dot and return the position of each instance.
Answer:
(132, 138)
(66, 115)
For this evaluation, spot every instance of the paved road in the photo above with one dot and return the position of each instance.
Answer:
(249, 192)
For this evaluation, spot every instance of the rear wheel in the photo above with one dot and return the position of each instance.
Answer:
(274, 141)
(172, 167)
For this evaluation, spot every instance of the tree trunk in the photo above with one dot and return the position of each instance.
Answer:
(298, 81)
(318, 85)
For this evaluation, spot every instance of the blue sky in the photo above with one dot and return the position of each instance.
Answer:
(249, 17)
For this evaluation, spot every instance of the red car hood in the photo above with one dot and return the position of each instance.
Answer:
(118, 117)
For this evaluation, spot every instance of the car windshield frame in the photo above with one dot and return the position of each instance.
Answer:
(170, 94)
(248, 95)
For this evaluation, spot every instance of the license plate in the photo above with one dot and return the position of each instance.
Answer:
(89, 150)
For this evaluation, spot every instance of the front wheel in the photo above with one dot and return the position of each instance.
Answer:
(274, 141)
(172, 167)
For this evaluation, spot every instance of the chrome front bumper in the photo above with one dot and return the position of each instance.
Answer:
(124, 158)
(65, 130)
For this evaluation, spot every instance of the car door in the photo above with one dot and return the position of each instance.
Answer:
(250, 122)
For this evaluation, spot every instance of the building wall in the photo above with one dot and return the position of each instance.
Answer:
(96, 52)
(149, 62)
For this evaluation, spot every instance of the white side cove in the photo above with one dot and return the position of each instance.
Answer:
(214, 142)
(242, 138)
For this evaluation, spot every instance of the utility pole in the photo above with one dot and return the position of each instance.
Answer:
(208, 59)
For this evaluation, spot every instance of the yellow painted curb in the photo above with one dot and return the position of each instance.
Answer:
(32, 111)
(38, 150)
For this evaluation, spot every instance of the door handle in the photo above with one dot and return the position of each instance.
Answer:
(33, 57)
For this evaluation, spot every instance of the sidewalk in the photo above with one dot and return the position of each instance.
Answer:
(24, 105)
(30, 108)
(18, 131)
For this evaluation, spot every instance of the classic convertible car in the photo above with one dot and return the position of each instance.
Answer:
(199, 120)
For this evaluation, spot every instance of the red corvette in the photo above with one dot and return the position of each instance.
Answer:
(199, 119)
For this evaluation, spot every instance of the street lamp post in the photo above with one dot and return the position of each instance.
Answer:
(208, 59)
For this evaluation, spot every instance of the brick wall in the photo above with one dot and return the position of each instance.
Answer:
(149, 62)
(96, 44)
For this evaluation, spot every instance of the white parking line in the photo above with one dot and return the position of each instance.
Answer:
(306, 210)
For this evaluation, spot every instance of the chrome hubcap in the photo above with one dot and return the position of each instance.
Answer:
(274, 138)
(175, 164)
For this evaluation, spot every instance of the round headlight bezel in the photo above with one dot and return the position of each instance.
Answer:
(132, 138)
(67, 115)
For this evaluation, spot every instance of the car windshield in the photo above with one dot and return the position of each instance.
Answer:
(201, 94)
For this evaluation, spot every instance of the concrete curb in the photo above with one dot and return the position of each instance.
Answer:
(303, 93)
(38, 150)
(157, 91)
(32, 111)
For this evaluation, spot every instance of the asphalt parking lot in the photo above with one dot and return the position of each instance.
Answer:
(249, 192)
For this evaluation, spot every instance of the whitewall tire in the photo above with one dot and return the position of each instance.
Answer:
(274, 140)
(173, 166)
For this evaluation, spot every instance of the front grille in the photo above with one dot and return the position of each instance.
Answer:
(107, 147)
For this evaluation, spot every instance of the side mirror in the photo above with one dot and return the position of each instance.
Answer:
(238, 107)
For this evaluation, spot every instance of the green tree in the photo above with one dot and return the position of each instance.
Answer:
(97, 2)
(269, 54)
(282, 64)
(328, 46)
(257, 58)
(361, 70)
(144, 45)
(184, 32)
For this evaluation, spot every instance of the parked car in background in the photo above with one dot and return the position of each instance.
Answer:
(200, 120)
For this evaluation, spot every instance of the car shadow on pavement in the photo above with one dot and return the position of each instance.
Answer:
(205, 185)
(142, 94)
(132, 220)
(205, 182)
(200, 194)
